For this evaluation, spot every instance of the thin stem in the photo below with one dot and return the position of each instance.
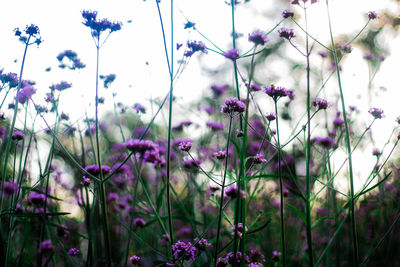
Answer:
(356, 257)
(101, 184)
(308, 152)
(282, 226)
(222, 192)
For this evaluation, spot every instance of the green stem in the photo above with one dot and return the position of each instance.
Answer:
(308, 152)
(282, 226)
(222, 192)
(356, 258)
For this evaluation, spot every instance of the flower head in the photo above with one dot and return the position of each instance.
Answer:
(61, 86)
(286, 33)
(46, 247)
(18, 135)
(135, 260)
(270, 116)
(184, 250)
(185, 145)
(73, 251)
(98, 26)
(320, 103)
(258, 38)
(195, 46)
(232, 54)
(275, 92)
(232, 104)
(377, 113)
(287, 14)
(139, 222)
(372, 15)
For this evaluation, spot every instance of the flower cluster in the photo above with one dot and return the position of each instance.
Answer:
(184, 250)
(99, 26)
(287, 14)
(258, 38)
(31, 31)
(219, 90)
(232, 54)
(275, 92)
(372, 15)
(286, 33)
(73, 62)
(60, 86)
(377, 113)
(239, 230)
(10, 78)
(185, 145)
(320, 103)
(108, 79)
(232, 105)
(135, 259)
(346, 48)
(73, 251)
(195, 46)
(26, 92)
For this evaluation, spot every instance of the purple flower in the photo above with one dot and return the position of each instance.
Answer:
(259, 158)
(286, 33)
(320, 103)
(376, 152)
(377, 113)
(139, 146)
(258, 38)
(11, 79)
(32, 29)
(36, 198)
(108, 79)
(338, 122)
(73, 251)
(222, 262)
(86, 181)
(139, 222)
(239, 230)
(345, 48)
(372, 15)
(219, 90)
(235, 260)
(233, 192)
(326, 142)
(98, 26)
(46, 247)
(10, 188)
(276, 255)
(275, 92)
(323, 54)
(135, 260)
(232, 104)
(139, 108)
(220, 154)
(61, 86)
(215, 126)
(185, 146)
(255, 87)
(112, 197)
(18, 135)
(369, 56)
(270, 116)
(232, 54)
(26, 92)
(195, 46)
(256, 256)
(184, 250)
(201, 244)
(287, 14)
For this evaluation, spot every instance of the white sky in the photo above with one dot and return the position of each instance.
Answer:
(127, 51)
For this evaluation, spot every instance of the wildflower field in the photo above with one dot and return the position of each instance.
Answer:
(288, 157)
